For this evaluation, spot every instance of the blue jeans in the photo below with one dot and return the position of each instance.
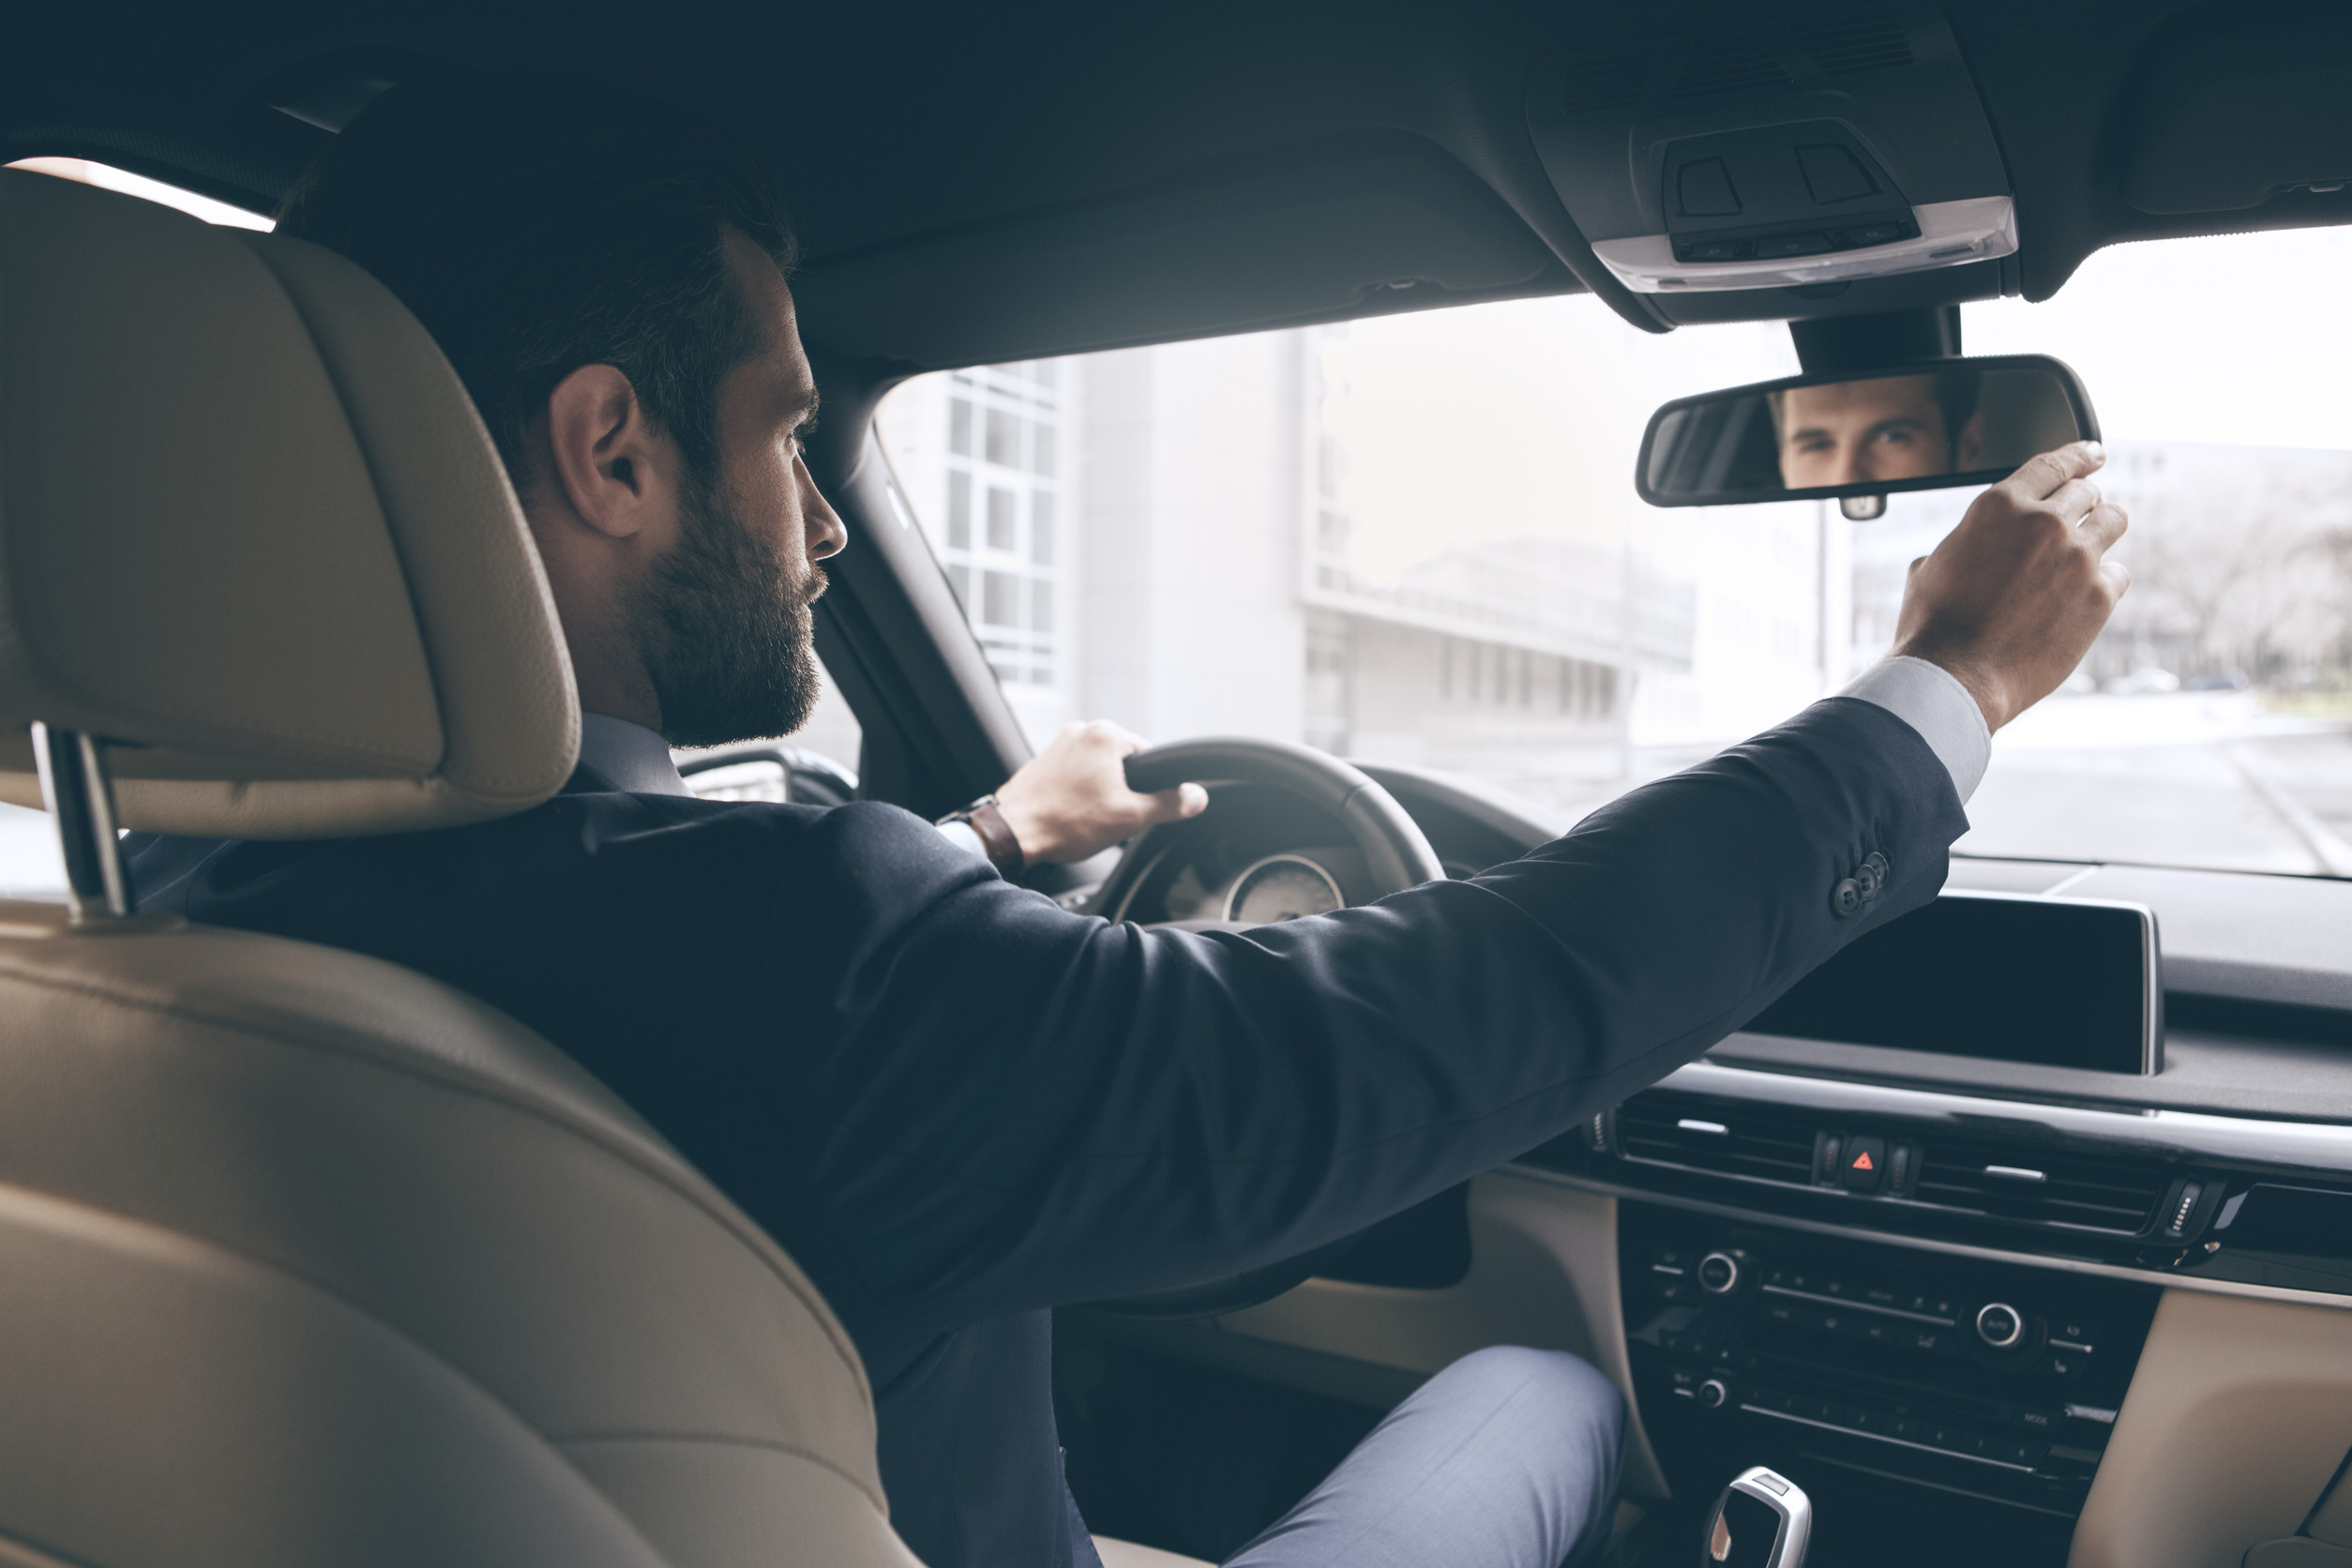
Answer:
(1508, 1458)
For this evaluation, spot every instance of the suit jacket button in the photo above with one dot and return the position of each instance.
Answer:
(1866, 878)
(1877, 863)
(1846, 897)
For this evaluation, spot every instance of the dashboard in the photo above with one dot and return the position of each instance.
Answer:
(1925, 1277)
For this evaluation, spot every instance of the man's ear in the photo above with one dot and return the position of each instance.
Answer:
(612, 465)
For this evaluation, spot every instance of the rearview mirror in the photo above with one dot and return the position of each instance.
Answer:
(1928, 426)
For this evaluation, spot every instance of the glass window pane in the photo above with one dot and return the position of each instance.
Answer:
(1047, 372)
(1004, 438)
(959, 428)
(1040, 606)
(959, 511)
(1042, 458)
(959, 579)
(1001, 599)
(1001, 520)
(1041, 528)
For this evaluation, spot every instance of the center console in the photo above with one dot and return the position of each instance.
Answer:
(1984, 1393)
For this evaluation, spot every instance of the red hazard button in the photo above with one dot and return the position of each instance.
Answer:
(1865, 1160)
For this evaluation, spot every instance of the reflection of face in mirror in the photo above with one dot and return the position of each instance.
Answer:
(1854, 432)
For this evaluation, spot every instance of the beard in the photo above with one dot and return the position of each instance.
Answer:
(725, 624)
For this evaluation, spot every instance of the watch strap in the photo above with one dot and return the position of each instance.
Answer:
(996, 836)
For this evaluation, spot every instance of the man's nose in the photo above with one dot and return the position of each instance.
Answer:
(821, 525)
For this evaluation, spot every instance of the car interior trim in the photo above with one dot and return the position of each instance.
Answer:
(1630, 1193)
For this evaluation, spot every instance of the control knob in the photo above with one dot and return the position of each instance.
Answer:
(1711, 1393)
(1720, 1272)
(1999, 1324)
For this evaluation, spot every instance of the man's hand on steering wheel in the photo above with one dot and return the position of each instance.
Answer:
(1071, 800)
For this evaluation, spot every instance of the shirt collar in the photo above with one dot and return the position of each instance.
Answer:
(628, 757)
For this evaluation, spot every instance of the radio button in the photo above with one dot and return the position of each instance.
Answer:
(2000, 1325)
(1712, 1393)
(1719, 1273)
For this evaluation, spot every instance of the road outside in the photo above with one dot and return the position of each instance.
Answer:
(2196, 780)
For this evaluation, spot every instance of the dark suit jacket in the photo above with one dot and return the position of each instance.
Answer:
(959, 1105)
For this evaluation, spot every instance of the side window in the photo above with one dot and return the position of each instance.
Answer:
(986, 458)
(109, 178)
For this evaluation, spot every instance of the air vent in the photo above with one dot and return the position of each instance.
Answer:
(1606, 80)
(1726, 1137)
(1851, 44)
(1730, 65)
(2018, 1182)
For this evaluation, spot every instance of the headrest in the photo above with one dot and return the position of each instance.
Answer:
(254, 533)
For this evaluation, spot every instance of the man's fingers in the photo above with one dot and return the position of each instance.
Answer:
(2105, 525)
(2118, 577)
(2076, 499)
(1168, 806)
(2043, 476)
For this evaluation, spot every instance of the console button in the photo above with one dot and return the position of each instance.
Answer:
(1863, 1165)
(2068, 1365)
(2074, 1333)
(1712, 1393)
(1934, 1341)
(1719, 1273)
(1999, 1326)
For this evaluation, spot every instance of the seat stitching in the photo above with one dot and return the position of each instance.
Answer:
(358, 1308)
(709, 1439)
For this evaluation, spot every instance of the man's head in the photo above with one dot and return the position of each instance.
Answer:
(607, 274)
(1851, 432)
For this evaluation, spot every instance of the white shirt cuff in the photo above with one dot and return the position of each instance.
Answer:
(1931, 700)
(962, 835)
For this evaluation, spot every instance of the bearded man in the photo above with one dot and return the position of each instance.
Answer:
(955, 1103)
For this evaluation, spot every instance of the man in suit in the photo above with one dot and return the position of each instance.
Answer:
(958, 1105)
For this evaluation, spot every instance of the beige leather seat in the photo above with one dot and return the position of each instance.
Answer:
(306, 1260)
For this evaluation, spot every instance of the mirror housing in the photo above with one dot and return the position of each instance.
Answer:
(1930, 424)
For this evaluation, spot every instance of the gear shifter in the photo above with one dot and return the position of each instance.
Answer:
(1762, 1520)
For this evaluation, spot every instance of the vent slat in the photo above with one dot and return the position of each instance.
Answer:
(1728, 66)
(2115, 1195)
(1849, 45)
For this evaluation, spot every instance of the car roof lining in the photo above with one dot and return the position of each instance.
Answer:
(976, 187)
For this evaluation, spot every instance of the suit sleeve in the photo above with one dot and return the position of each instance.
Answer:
(1023, 1107)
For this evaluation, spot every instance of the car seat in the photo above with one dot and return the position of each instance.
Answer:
(305, 1258)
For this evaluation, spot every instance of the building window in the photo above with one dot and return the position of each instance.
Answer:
(1003, 495)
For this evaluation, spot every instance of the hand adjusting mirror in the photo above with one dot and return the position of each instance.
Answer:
(1857, 435)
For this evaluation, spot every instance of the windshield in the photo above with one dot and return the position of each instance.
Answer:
(1414, 539)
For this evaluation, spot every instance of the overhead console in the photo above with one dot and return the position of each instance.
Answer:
(1816, 150)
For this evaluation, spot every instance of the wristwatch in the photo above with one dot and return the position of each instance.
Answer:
(995, 833)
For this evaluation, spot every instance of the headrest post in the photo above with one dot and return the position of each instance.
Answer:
(80, 799)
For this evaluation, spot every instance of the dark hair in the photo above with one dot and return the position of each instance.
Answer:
(537, 224)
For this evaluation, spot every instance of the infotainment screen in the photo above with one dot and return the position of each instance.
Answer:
(2061, 982)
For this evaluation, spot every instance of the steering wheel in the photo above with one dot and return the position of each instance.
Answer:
(1396, 855)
